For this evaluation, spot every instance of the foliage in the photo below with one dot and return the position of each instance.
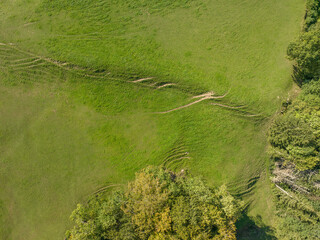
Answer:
(312, 13)
(159, 204)
(305, 51)
(299, 218)
(295, 136)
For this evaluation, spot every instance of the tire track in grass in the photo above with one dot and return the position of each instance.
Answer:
(176, 156)
(18, 64)
(105, 188)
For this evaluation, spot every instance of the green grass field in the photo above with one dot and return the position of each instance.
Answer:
(75, 115)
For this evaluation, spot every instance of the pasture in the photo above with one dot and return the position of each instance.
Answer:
(92, 91)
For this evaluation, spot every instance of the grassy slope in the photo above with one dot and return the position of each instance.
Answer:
(66, 137)
(45, 156)
(210, 45)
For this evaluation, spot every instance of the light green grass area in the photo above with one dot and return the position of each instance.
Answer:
(72, 119)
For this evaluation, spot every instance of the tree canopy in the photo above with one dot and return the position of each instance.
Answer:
(305, 51)
(295, 139)
(158, 204)
(295, 135)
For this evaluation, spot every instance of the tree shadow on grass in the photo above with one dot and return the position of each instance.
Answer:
(252, 228)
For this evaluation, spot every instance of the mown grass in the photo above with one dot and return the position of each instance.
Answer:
(67, 130)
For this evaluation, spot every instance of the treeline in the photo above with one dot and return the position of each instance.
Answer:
(295, 139)
(158, 204)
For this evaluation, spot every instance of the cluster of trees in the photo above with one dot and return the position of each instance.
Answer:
(158, 204)
(295, 135)
(295, 139)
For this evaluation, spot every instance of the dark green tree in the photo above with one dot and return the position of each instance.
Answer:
(305, 51)
(312, 13)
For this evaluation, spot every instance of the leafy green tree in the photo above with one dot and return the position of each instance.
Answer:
(158, 204)
(293, 140)
(305, 51)
(295, 135)
(312, 13)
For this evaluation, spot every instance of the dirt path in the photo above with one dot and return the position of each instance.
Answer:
(142, 79)
(208, 94)
(205, 96)
(166, 85)
(17, 64)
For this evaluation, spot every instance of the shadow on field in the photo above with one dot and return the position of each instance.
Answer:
(253, 228)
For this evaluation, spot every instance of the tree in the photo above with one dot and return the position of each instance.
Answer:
(305, 51)
(158, 204)
(312, 13)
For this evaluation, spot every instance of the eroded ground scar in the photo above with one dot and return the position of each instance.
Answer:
(202, 97)
(240, 109)
(149, 81)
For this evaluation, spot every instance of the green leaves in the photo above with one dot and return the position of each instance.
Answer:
(159, 204)
(305, 51)
(312, 13)
(290, 130)
(295, 136)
